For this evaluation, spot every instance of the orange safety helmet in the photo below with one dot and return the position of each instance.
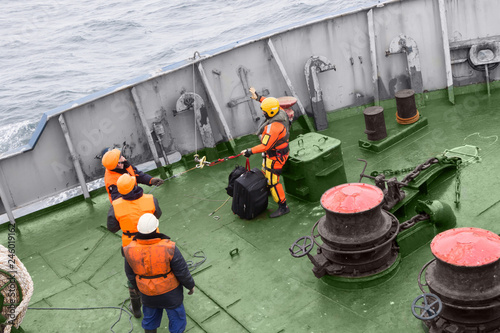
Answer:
(270, 106)
(125, 183)
(111, 158)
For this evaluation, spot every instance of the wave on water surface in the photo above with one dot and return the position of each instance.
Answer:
(58, 51)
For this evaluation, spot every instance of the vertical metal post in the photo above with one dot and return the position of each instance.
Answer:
(373, 56)
(487, 79)
(446, 50)
(74, 157)
(288, 82)
(147, 131)
(216, 105)
(6, 203)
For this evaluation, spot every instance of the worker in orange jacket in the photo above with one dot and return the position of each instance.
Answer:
(161, 273)
(124, 215)
(274, 134)
(116, 165)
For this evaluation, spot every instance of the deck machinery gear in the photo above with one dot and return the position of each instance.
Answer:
(357, 234)
(358, 237)
(463, 282)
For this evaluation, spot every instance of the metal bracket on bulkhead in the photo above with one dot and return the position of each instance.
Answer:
(406, 44)
(192, 101)
(313, 66)
(243, 75)
(485, 56)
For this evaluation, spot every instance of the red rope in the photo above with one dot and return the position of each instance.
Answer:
(220, 160)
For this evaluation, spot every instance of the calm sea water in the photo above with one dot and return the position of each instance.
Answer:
(55, 51)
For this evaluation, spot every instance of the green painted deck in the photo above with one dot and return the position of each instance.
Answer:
(75, 262)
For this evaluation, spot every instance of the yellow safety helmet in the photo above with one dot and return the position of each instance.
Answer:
(111, 158)
(270, 106)
(125, 183)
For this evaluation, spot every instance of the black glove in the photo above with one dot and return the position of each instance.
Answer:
(156, 181)
(247, 152)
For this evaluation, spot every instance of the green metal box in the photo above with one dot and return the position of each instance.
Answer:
(315, 164)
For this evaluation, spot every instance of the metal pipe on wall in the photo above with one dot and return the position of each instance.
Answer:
(373, 55)
(216, 105)
(446, 51)
(6, 203)
(147, 132)
(288, 82)
(74, 157)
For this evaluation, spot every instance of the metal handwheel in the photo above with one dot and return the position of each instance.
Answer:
(301, 246)
(427, 307)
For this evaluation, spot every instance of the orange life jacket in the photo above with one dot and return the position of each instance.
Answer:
(111, 178)
(278, 130)
(150, 260)
(128, 212)
(274, 137)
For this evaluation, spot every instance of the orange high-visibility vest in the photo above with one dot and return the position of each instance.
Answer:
(128, 212)
(150, 260)
(111, 178)
(274, 137)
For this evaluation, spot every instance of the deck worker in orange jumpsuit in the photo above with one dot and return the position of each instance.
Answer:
(124, 215)
(274, 134)
(117, 165)
(162, 273)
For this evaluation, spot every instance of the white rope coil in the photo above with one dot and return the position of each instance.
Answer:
(12, 265)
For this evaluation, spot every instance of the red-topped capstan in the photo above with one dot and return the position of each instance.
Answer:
(466, 247)
(352, 198)
(286, 102)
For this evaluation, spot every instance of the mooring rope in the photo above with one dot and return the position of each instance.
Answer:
(174, 176)
(215, 211)
(201, 163)
(406, 121)
(12, 273)
(220, 160)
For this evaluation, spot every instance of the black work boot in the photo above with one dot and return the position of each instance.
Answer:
(135, 302)
(282, 210)
(150, 331)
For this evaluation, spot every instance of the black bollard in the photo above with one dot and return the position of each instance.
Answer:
(375, 123)
(407, 112)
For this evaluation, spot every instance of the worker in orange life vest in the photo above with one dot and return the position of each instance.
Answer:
(124, 215)
(116, 165)
(161, 278)
(274, 134)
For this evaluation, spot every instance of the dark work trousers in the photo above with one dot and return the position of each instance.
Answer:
(129, 272)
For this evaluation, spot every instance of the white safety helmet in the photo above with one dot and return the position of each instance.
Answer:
(148, 223)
